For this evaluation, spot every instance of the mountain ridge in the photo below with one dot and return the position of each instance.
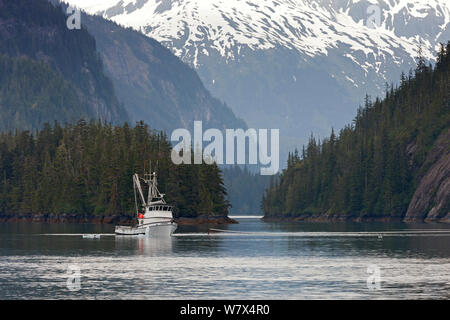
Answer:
(268, 59)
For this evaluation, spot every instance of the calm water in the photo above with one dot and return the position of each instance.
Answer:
(257, 261)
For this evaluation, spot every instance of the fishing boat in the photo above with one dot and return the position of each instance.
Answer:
(154, 215)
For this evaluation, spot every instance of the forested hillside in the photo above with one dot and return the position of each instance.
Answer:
(31, 93)
(373, 167)
(86, 169)
(50, 72)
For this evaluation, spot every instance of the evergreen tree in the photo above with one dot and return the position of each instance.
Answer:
(371, 167)
(86, 169)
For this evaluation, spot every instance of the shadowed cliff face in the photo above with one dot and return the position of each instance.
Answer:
(37, 30)
(431, 200)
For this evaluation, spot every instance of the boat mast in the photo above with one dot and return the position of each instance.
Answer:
(153, 192)
(154, 196)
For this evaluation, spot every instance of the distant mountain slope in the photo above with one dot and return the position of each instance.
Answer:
(155, 85)
(393, 162)
(245, 189)
(31, 93)
(301, 65)
(59, 75)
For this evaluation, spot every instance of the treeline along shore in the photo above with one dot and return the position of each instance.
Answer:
(112, 219)
(83, 173)
(391, 164)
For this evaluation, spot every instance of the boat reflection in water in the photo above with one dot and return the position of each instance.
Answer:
(144, 245)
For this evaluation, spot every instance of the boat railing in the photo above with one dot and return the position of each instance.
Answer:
(160, 208)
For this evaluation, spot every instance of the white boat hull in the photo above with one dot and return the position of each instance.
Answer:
(156, 229)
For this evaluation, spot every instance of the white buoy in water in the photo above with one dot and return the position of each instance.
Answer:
(91, 236)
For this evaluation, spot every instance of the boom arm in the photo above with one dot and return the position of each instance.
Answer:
(137, 185)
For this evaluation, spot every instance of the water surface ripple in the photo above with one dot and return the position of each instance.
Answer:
(250, 260)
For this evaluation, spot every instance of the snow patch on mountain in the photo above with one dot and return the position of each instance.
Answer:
(300, 65)
(311, 27)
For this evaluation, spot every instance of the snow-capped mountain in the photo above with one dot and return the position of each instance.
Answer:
(297, 65)
(311, 27)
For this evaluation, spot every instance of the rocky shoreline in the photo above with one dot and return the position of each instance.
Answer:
(114, 219)
(336, 218)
